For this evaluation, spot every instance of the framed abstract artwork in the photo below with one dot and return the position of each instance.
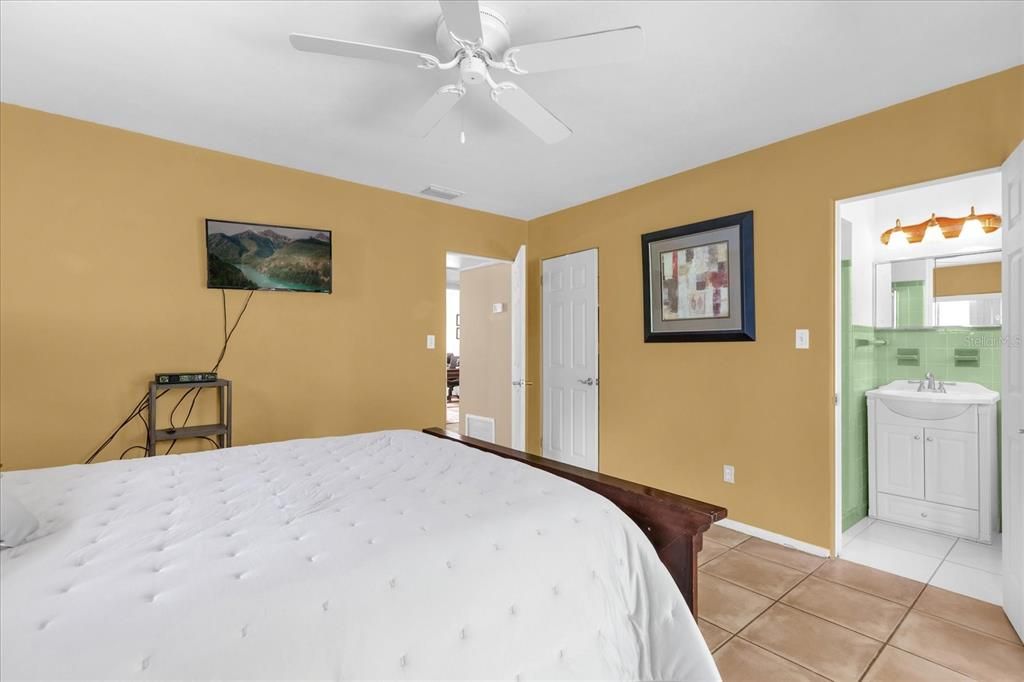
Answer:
(699, 281)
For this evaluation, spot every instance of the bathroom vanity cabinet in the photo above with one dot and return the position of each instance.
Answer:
(932, 458)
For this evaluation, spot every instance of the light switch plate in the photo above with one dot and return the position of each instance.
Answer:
(497, 307)
(729, 473)
(431, 342)
(803, 339)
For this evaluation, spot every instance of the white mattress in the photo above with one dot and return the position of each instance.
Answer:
(383, 555)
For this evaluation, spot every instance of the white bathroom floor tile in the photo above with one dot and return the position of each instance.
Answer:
(970, 581)
(976, 555)
(909, 539)
(891, 559)
(856, 529)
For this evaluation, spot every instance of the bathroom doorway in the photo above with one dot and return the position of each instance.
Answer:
(919, 354)
(484, 318)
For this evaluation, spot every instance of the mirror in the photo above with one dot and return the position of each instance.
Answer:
(951, 291)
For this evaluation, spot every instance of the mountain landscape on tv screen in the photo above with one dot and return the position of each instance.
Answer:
(256, 257)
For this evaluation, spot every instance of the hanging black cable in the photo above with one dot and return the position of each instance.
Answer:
(141, 406)
(223, 350)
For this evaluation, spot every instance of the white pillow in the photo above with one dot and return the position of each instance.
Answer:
(16, 522)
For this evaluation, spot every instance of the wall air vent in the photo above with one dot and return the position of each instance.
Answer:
(480, 427)
(439, 192)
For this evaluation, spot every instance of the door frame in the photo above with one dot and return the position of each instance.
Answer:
(837, 335)
(486, 262)
(519, 403)
(597, 350)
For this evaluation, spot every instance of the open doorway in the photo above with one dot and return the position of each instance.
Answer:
(484, 347)
(919, 364)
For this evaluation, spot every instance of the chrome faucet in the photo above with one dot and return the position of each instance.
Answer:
(929, 385)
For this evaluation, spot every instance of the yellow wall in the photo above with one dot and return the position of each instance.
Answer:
(485, 372)
(963, 280)
(672, 414)
(102, 283)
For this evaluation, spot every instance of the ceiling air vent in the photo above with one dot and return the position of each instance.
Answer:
(441, 192)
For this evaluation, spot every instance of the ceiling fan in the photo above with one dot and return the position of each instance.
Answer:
(476, 39)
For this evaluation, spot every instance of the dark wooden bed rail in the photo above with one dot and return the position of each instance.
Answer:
(674, 524)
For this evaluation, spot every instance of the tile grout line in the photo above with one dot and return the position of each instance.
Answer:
(777, 563)
(744, 587)
(732, 635)
(814, 615)
(755, 618)
(897, 629)
(884, 644)
(800, 582)
(944, 558)
(888, 640)
(968, 627)
(776, 653)
(871, 594)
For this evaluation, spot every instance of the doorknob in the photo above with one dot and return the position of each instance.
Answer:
(519, 382)
(588, 381)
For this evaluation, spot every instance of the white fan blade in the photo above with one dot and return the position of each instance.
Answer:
(589, 49)
(539, 120)
(346, 48)
(462, 17)
(439, 104)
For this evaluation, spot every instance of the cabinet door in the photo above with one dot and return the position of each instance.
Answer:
(951, 467)
(899, 461)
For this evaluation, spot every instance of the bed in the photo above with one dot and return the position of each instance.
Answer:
(394, 554)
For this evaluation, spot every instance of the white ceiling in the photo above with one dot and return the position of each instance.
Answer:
(718, 78)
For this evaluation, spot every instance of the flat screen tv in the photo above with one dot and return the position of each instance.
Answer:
(267, 257)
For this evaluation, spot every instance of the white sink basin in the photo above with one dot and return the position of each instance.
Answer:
(903, 397)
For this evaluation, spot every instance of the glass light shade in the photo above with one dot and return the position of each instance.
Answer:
(972, 228)
(933, 233)
(898, 238)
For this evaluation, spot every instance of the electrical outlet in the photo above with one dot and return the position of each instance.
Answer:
(729, 473)
(431, 342)
(803, 339)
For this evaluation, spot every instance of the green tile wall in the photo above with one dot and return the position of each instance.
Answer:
(868, 363)
(936, 348)
(858, 373)
(909, 303)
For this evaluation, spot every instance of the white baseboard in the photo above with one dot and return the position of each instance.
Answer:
(774, 537)
(856, 529)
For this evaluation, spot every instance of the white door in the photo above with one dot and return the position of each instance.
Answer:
(899, 460)
(570, 381)
(1013, 389)
(518, 312)
(951, 467)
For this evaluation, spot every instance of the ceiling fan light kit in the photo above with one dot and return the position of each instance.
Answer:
(477, 39)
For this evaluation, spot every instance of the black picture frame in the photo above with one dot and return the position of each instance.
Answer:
(746, 330)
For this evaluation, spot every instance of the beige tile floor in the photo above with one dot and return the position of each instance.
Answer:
(772, 613)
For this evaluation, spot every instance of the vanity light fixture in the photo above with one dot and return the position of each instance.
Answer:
(898, 238)
(937, 228)
(933, 232)
(972, 228)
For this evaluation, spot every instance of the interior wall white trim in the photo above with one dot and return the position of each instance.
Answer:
(777, 538)
(837, 327)
(856, 529)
